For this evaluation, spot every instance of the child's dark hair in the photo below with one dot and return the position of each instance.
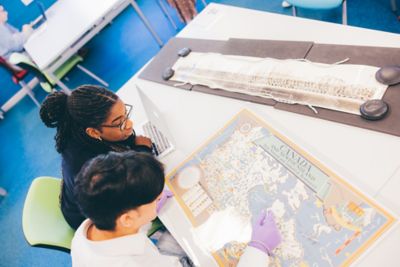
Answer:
(112, 184)
(87, 106)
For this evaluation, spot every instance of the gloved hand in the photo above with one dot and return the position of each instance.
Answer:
(165, 195)
(266, 235)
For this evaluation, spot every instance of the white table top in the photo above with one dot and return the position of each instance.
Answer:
(67, 21)
(368, 159)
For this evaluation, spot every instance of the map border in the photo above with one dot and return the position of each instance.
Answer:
(358, 253)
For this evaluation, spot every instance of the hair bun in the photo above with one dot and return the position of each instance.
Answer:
(54, 109)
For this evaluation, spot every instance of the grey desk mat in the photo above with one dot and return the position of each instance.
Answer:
(326, 53)
(374, 56)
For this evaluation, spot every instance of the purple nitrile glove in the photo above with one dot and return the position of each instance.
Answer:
(266, 235)
(166, 194)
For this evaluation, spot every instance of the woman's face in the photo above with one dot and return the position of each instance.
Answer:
(118, 126)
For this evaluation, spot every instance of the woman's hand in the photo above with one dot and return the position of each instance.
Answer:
(27, 29)
(142, 141)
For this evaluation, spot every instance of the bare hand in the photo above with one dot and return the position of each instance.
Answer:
(27, 29)
(143, 141)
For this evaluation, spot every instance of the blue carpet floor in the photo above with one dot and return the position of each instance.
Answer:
(121, 49)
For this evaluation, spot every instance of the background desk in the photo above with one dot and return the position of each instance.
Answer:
(367, 159)
(70, 25)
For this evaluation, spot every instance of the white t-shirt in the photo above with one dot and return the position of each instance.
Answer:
(136, 250)
(131, 250)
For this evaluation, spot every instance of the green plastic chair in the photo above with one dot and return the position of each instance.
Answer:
(46, 82)
(43, 223)
(320, 4)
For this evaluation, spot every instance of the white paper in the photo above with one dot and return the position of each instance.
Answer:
(338, 87)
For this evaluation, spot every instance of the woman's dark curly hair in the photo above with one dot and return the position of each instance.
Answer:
(87, 106)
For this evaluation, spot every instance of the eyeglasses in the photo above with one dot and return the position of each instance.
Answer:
(122, 124)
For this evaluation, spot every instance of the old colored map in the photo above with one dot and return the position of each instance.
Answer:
(247, 167)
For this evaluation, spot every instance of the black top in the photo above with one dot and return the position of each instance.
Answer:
(74, 156)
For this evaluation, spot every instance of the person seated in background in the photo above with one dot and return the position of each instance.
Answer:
(120, 193)
(91, 121)
(11, 40)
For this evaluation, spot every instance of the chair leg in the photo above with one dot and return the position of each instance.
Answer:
(393, 5)
(29, 92)
(344, 12)
(91, 74)
(166, 13)
(3, 192)
(146, 22)
(294, 11)
(62, 85)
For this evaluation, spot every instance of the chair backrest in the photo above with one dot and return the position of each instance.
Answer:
(46, 82)
(23, 61)
(16, 73)
(316, 4)
(42, 220)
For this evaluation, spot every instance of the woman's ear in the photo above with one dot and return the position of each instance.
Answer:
(94, 133)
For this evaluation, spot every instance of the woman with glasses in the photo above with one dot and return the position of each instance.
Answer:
(89, 122)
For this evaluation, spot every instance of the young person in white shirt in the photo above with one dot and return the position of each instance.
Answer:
(11, 39)
(122, 192)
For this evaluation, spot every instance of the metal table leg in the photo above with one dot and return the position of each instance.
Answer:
(59, 83)
(146, 22)
(166, 13)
